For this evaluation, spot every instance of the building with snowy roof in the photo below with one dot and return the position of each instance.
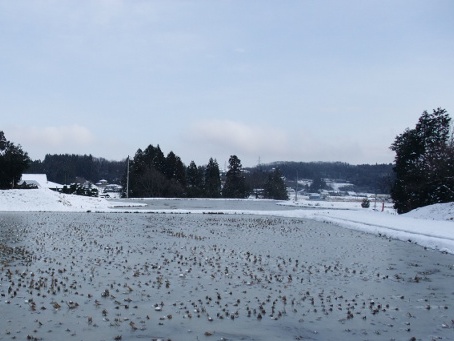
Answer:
(39, 180)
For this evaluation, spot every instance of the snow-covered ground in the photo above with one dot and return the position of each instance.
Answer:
(43, 199)
(431, 226)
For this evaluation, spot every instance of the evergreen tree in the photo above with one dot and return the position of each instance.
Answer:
(159, 161)
(153, 175)
(317, 185)
(194, 180)
(154, 157)
(235, 183)
(424, 172)
(212, 179)
(13, 162)
(152, 183)
(255, 180)
(170, 165)
(180, 172)
(275, 186)
(176, 174)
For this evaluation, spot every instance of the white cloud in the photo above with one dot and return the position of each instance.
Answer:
(250, 139)
(52, 139)
(221, 138)
(55, 136)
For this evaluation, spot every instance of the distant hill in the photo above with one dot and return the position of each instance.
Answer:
(364, 178)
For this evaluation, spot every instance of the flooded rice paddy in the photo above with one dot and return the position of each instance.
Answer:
(119, 276)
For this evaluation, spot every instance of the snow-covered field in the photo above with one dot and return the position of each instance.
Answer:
(431, 226)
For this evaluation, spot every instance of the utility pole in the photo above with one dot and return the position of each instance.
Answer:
(375, 203)
(296, 189)
(127, 180)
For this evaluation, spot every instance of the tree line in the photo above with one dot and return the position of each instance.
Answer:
(191, 181)
(70, 168)
(151, 174)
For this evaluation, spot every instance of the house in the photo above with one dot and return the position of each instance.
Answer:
(316, 196)
(39, 180)
(102, 183)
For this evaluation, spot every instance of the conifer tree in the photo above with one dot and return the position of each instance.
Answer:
(175, 172)
(194, 180)
(424, 172)
(212, 179)
(13, 162)
(317, 185)
(275, 186)
(170, 165)
(235, 183)
(153, 175)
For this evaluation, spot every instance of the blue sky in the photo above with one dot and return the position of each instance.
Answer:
(275, 80)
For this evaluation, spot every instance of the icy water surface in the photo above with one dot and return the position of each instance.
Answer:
(118, 276)
(208, 204)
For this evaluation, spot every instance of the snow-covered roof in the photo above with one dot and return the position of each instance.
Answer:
(40, 180)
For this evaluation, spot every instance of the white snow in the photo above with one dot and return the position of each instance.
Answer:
(43, 199)
(431, 226)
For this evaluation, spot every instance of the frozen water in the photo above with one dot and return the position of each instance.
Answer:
(103, 276)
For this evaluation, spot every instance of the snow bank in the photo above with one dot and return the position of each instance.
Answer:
(434, 212)
(46, 200)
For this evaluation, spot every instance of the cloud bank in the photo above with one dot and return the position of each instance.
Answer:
(251, 142)
(250, 139)
(64, 139)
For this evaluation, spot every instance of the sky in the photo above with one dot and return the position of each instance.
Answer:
(264, 80)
